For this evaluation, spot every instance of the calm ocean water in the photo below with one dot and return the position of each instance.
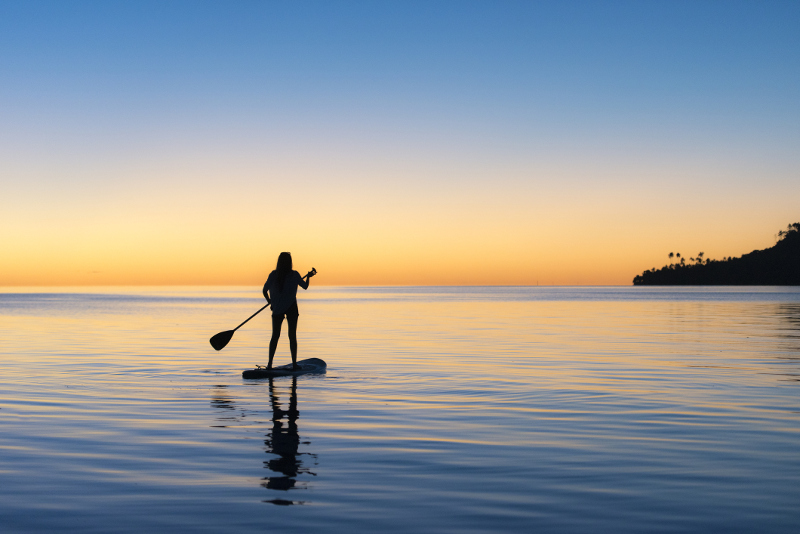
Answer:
(513, 409)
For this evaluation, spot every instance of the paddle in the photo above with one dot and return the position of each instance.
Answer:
(220, 340)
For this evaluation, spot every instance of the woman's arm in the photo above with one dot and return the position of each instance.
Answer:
(267, 285)
(304, 281)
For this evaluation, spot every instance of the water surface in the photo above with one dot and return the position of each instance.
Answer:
(443, 410)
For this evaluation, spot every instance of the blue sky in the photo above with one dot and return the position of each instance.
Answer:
(532, 66)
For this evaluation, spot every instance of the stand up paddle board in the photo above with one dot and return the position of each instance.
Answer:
(311, 365)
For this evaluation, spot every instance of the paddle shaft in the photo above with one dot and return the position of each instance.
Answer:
(256, 313)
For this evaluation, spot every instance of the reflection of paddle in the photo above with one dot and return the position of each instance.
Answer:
(220, 340)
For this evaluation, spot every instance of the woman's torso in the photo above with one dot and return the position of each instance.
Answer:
(282, 297)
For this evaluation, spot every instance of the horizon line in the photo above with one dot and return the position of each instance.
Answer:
(316, 285)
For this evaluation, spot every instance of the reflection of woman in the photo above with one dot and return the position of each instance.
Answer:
(280, 290)
(283, 440)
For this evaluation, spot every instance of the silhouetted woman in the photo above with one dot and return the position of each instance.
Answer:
(280, 290)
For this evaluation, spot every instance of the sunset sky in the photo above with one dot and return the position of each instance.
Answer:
(392, 142)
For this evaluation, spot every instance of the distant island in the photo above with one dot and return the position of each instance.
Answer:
(775, 266)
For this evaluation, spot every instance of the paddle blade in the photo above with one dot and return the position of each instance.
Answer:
(220, 340)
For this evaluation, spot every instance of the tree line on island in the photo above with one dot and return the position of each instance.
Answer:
(778, 265)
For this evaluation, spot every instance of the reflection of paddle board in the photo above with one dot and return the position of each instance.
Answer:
(311, 365)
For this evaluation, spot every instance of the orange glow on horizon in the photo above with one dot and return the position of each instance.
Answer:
(529, 229)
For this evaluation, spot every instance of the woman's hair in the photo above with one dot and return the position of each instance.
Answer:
(283, 268)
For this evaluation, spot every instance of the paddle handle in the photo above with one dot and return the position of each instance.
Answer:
(256, 313)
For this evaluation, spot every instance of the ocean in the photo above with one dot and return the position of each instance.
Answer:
(443, 410)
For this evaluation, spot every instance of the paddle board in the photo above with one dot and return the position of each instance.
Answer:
(311, 365)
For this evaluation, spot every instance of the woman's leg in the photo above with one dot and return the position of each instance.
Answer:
(291, 320)
(277, 320)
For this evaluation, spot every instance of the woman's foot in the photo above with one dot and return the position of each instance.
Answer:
(296, 367)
